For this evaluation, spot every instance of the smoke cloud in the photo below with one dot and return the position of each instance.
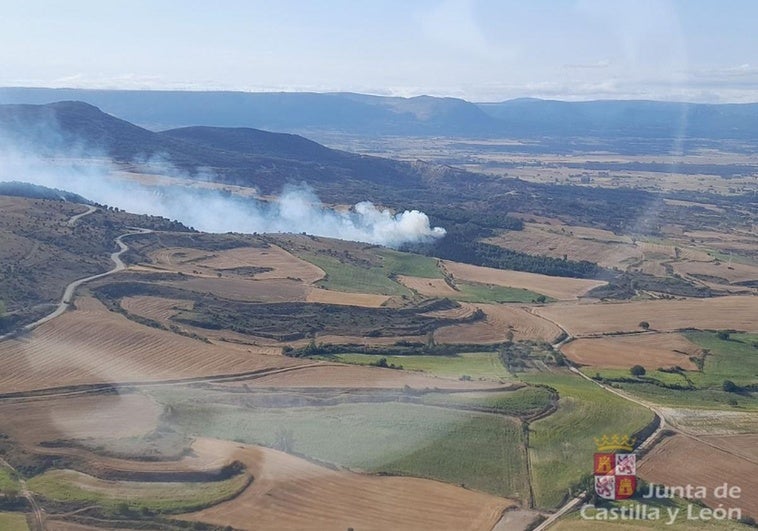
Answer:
(296, 210)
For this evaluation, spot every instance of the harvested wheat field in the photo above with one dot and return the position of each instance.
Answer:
(429, 287)
(281, 263)
(92, 345)
(240, 289)
(82, 416)
(556, 287)
(729, 272)
(623, 352)
(367, 300)
(500, 322)
(745, 445)
(156, 308)
(560, 241)
(329, 375)
(681, 460)
(291, 493)
(732, 312)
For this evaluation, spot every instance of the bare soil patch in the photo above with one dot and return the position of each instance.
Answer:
(743, 445)
(555, 287)
(622, 352)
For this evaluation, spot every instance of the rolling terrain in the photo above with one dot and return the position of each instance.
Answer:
(160, 376)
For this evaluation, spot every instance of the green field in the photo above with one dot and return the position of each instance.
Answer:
(520, 402)
(474, 364)
(391, 437)
(562, 444)
(364, 278)
(412, 265)
(13, 522)
(476, 292)
(353, 278)
(735, 359)
(70, 486)
(8, 481)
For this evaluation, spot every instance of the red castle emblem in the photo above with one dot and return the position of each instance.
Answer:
(615, 468)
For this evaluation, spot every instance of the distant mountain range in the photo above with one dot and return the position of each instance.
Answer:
(419, 116)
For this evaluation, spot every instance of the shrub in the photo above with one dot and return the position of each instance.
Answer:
(730, 387)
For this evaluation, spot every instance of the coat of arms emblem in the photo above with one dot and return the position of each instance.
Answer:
(615, 467)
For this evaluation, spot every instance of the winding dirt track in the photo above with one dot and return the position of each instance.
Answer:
(68, 293)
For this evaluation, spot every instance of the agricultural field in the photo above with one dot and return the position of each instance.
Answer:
(682, 460)
(622, 352)
(559, 288)
(76, 489)
(477, 365)
(561, 445)
(731, 359)
(501, 323)
(343, 376)
(386, 437)
(94, 346)
(13, 522)
(576, 243)
(732, 312)
(292, 493)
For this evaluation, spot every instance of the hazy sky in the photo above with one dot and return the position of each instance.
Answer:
(694, 50)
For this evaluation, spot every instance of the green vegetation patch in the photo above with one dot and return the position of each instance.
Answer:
(484, 451)
(8, 481)
(477, 292)
(561, 445)
(521, 402)
(70, 486)
(409, 264)
(13, 522)
(354, 277)
(474, 364)
(731, 357)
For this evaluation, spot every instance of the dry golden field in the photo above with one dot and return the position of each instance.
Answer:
(428, 287)
(501, 321)
(282, 264)
(555, 287)
(576, 243)
(622, 352)
(325, 296)
(92, 345)
(291, 493)
(242, 289)
(732, 312)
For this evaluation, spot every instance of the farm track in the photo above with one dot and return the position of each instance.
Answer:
(70, 290)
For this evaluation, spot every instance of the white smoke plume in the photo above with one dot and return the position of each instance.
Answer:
(296, 210)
